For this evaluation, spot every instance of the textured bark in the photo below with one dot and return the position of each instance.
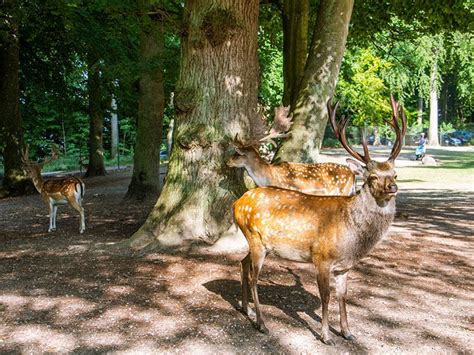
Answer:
(318, 83)
(295, 46)
(96, 166)
(216, 97)
(146, 160)
(11, 133)
(433, 139)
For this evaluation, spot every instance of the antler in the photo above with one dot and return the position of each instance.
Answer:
(54, 155)
(25, 155)
(281, 124)
(397, 110)
(339, 130)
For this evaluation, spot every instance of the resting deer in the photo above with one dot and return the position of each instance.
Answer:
(332, 232)
(314, 179)
(58, 191)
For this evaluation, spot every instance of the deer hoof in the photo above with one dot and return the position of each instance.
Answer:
(349, 337)
(51, 230)
(329, 342)
(81, 231)
(261, 328)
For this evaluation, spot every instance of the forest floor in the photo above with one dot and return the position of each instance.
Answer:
(63, 292)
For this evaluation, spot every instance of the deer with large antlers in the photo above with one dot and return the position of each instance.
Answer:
(314, 179)
(58, 191)
(332, 232)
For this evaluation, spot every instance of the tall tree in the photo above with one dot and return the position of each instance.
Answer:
(216, 97)
(318, 83)
(96, 166)
(433, 139)
(146, 160)
(11, 133)
(295, 15)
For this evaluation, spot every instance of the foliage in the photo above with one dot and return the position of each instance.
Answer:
(446, 128)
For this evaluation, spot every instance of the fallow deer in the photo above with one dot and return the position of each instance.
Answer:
(332, 232)
(57, 191)
(313, 179)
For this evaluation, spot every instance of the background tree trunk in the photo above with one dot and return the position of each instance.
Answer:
(318, 83)
(146, 160)
(433, 130)
(11, 133)
(419, 116)
(216, 97)
(114, 130)
(295, 16)
(96, 166)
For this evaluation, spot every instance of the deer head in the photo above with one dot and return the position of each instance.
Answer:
(380, 177)
(34, 168)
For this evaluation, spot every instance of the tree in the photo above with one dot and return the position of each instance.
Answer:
(318, 83)
(11, 132)
(216, 97)
(151, 102)
(295, 15)
(96, 166)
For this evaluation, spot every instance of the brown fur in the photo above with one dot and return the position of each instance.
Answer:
(332, 232)
(314, 179)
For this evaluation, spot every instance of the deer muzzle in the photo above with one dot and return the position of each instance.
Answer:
(392, 188)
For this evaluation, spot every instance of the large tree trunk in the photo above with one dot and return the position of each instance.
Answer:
(146, 160)
(318, 83)
(96, 166)
(433, 130)
(216, 97)
(11, 133)
(295, 17)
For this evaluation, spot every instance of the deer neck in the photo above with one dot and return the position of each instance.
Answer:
(37, 181)
(260, 171)
(370, 220)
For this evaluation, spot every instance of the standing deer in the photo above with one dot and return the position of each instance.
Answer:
(314, 179)
(332, 232)
(58, 191)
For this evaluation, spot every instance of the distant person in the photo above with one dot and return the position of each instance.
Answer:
(421, 149)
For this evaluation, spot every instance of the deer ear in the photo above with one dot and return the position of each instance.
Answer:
(355, 167)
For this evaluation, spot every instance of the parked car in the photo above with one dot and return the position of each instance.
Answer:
(463, 135)
(448, 140)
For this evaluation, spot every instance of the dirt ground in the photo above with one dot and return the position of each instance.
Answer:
(62, 292)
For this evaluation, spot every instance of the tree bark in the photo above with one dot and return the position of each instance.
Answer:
(11, 133)
(114, 130)
(419, 117)
(146, 160)
(216, 97)
(295, 17)
(96, 166)
(433, 139)
(318, 83)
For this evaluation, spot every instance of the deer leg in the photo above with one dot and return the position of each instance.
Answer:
(257, 255)
(341, 291)
(245, 272)
(51, 216)
(77, 206)
(55, 211)
(325, 293)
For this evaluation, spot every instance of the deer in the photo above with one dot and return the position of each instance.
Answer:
(315, 179)
(332, 232)
(56, 191)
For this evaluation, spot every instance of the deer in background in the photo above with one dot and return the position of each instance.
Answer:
(332, 232)
(314, 179)
(57, 191)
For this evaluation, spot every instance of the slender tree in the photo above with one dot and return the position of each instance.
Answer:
(433, 139)
(216, 97)
(11, 133)
(146, 160)
(96, 166)
(295, 16)
(318, 83)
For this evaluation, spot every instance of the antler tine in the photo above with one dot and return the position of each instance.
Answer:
(25, 154)
(364, 143)
(54, 155)
(340, 133)
(400, 132)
